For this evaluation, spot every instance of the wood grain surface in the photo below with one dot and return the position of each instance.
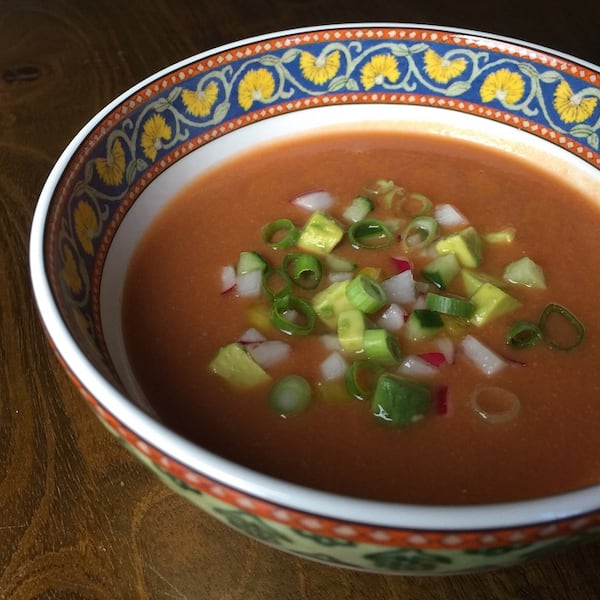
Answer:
(79, 517)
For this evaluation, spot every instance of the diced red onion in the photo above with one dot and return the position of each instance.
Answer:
(314, 200)
(485, 359)
(393, 318)
(228, 278)
(333, 367)
(435, 359)
(251, 336)
(415, 366)
(400, 288)
(401, 264)
(447, 348)
(270, 353)
(249, 284)
(448, 215)
(441, 400)
(330, 342)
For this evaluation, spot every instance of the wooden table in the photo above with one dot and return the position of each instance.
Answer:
(79, 517)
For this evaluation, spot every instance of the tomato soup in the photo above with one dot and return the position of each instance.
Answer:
(177, 315)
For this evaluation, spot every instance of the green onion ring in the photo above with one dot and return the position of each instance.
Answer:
(424, 227)
(290, 395)
(450, 305)
(382, 346)
(306, 270)
(276, 282)
(352, 378)
(423, 209)
(290, 302)
(570, 317)
(289, 238)
(365, 294)
(370, 234)
(523, 334)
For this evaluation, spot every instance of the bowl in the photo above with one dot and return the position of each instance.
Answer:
(118, 172)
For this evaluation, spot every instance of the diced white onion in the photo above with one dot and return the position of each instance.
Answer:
(330, 342)
(448, 215)
(228, 278)
(249, 284)
(446, 347)
(315, 200)
(485, 359)
(251, 336)
(333, 367)
(400, 288)
(340, 276)
(270, 353)
(393, 318)
(417, 366)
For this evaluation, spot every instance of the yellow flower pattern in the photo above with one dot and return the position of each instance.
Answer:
(112, 168)
(571, 107)
(378, 69)
(199, 103)
(504, 85)
(441, 69)
(86, 225)
(257, 85)
(319, 69)
(70, 273)
(154, 132)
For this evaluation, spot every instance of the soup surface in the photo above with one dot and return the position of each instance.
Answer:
(176, 318)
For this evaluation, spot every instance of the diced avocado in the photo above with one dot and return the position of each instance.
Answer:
(465, 244)
(473, 280)
(330, 302)
(504, 236)
(491, 302)
(351, 330)
(375, 273)
(321, 234)
(525, 272)
(235, 365)
(423, 324)
(259, 317)
(442, 270)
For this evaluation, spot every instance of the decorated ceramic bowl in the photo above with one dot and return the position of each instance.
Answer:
(132, 157)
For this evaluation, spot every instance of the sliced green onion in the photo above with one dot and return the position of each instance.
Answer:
(370, 234)
(365, 294)
(361, 378)
(576, 325)
(380, 345)
(399, 401)
(305, 312)
(306, 270)
(450, 305)
(523, 334)
(420, 232)
(276, 282)
(415, 205)
(290, 395)
(279, 234)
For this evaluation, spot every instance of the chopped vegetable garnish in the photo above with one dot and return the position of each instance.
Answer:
(420, 232)
(314, 201)
(450, 305)
(491, 302)
(525, 272)
(321, 234)
(504, 236)
(466, 244)
(382, 346)
(365, 294)
(361, 206)
(351, 330)
(290, 395)
(370, 234)
(361, 378)
(423, 324)
(276, 282)
(399, 401)
(305, 270)
(234, 364)
(279, 234)
(485, 359)
(572, 338)
(442, 270)
(523, 334)
(279, 318)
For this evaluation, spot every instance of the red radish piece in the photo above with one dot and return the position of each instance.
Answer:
(400, 288)
(393, 318)
(252, 336)
(228, 279)
(441, 400)
(401, 264)
(314, 200)
(249, 285)
(485, 359)
(415, 366)
(435, 359)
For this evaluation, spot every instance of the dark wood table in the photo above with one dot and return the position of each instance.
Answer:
(79, 517)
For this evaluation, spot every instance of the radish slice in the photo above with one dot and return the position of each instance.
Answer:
(415, 366)
(446, 347)
(485, 359)
(249, 284)
(400, 288)
(270, 353)
(448, 215)
(441, 400)
(333, 367)
(315, 200)
(393, 318)
(401, 264)
(228, 279)
(252, 336)
(435, 359)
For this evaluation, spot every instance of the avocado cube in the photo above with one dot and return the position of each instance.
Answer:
(330, 302)
(321, 234)
(491, 302)
(234, 364)
(465, 244)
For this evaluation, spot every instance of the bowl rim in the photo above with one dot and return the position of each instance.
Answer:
(272, 490)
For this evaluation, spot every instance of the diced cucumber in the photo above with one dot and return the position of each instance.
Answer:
(398, 401)
(525, 272)
(473, 280)
(234, 364)
(321, 234)
(442, 270)
(491, 302)
(504, 236)
(360, 207)
(466, 244)
(423, 324)
(330, 302)
(250, 261)
(338, 264)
